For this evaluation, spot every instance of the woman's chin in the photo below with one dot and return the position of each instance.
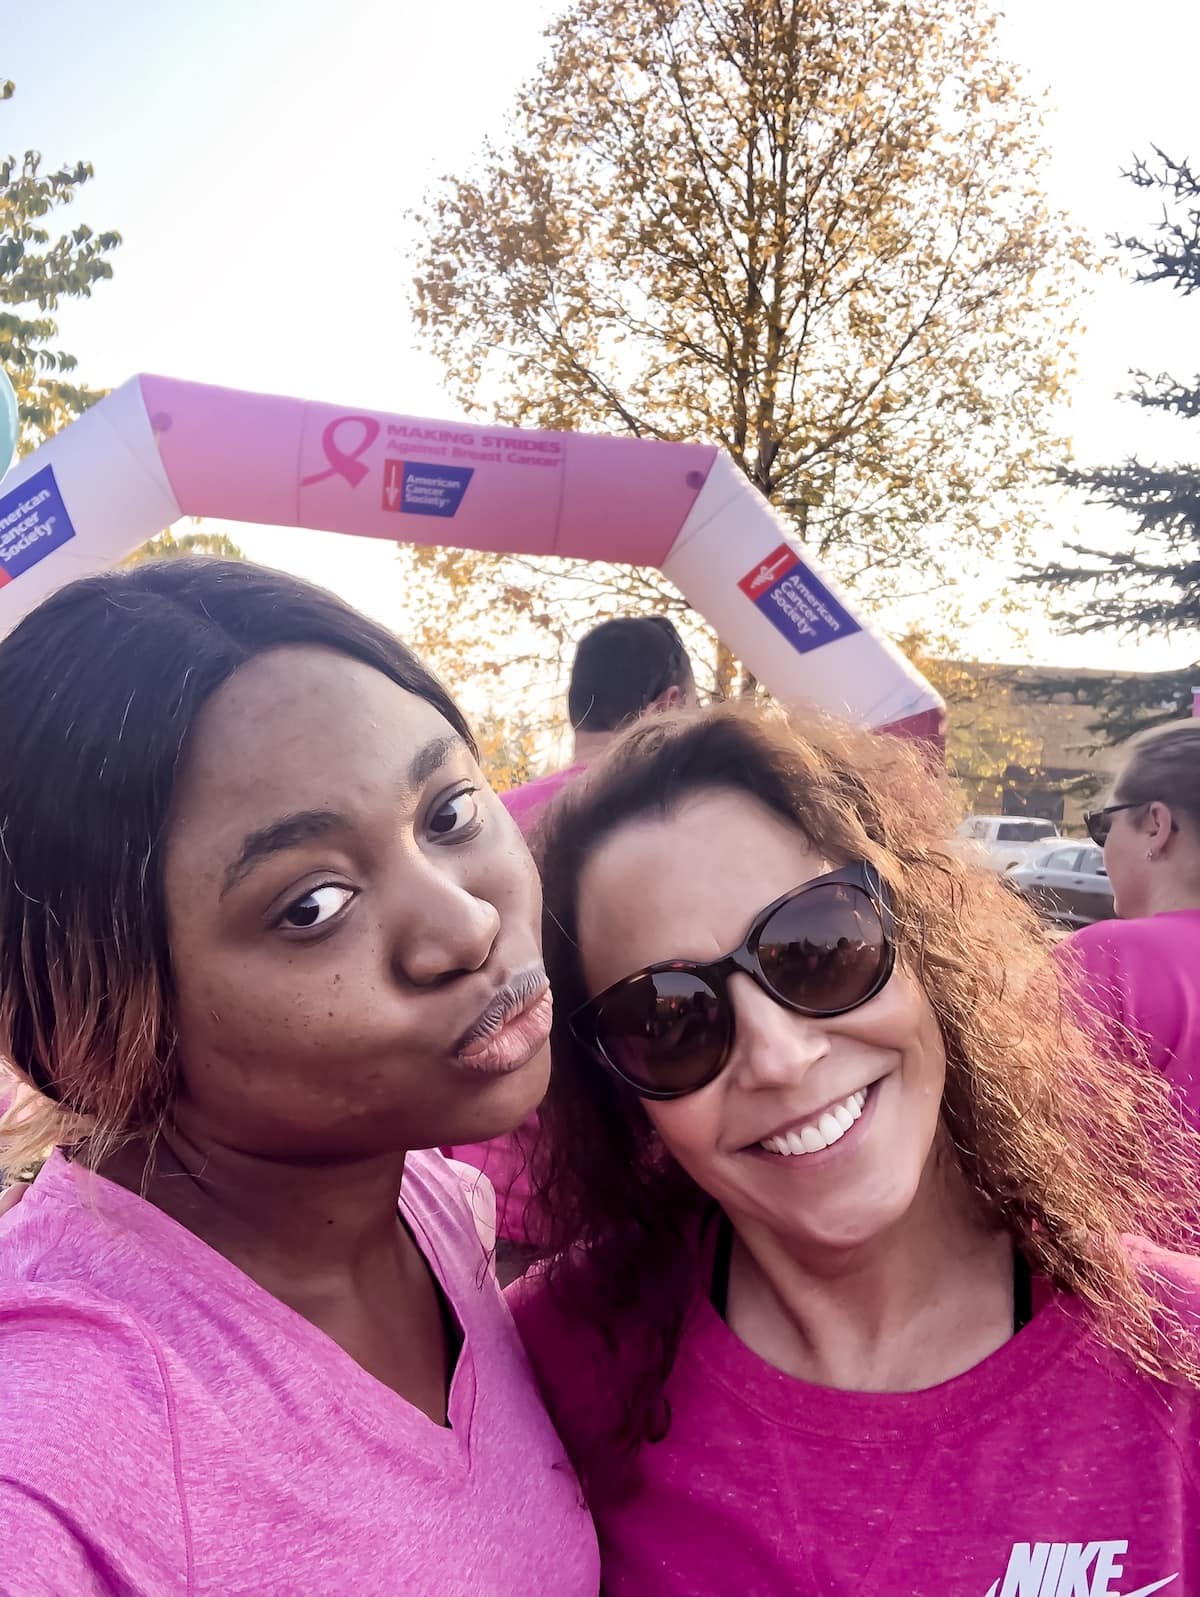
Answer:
(504, 1102)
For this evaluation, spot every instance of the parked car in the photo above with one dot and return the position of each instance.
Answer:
(1068, 885)
(1004, 841)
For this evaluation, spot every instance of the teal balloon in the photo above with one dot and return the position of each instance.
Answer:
(8, 422)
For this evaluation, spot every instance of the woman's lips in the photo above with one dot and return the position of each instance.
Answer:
(522, 1032)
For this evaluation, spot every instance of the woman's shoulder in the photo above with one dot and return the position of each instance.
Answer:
(578, 1362)
(450, 1197)
(82, 1379)
(1172, 1279)
(578, 1371)
(1107, 941)
(71, 1338)
(547, 1327)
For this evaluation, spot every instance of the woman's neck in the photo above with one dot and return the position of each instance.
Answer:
(324, 1238)
(294, 1227)
(1170, 893)
(927, 1300)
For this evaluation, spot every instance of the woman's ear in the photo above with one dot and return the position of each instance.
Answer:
(1157, 826)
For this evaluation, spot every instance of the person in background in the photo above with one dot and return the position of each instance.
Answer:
(623, 669)
(265, 935)
(844, 1295)
(1139, 975)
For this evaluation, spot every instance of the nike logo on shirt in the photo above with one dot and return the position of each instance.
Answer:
(1069, 1569)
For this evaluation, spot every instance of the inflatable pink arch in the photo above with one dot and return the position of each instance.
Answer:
(157, 449)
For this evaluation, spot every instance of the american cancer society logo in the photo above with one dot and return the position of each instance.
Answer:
(33, 522)
(796, 601)
(419, 490)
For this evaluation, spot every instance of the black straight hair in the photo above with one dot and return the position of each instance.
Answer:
(100, 687)
(621, 667)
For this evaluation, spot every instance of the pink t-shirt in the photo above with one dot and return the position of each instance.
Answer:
(167, 1428)
(1049, 1470)
(505, 1160)
(1142, 977)
(526, 803)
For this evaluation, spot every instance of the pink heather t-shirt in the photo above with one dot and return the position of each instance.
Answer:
(505, 1160)
(168, 1429)
(1049, 1470)
(1142, 977)
(526, 803)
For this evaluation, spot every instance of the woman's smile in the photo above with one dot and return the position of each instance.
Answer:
(839, 1125)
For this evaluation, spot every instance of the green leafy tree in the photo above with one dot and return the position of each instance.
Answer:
(37, 272)
(1148, 582)
(811, 231)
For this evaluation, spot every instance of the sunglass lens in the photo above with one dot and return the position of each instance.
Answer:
(666, 1032)
(825, 950)
(1098, 825)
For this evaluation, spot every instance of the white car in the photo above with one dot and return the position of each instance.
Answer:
(1005, 841)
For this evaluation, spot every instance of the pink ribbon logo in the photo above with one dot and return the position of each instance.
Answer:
(342, 464)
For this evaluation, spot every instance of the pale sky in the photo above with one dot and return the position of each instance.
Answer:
(259, 155)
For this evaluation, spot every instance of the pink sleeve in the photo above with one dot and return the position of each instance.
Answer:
(91, 1497)
(42, 1556)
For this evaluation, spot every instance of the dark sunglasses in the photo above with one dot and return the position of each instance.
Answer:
(1099, 822)
(821, 950)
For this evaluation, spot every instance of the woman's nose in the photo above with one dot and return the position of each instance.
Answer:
(440, 929)
(773, 1046)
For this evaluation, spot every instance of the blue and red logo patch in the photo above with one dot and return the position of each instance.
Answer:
(33, 523)
(796, 601)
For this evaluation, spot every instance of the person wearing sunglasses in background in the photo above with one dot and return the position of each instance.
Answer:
(264, 932)
(1139, 975)
(624, 668)
(842, 1297)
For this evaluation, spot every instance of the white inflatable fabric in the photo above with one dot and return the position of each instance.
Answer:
(157, 449)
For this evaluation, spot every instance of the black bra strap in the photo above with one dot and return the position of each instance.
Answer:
(1022, 1291)
(722, 1254)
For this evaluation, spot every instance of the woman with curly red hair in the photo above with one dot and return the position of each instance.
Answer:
(870, 1274)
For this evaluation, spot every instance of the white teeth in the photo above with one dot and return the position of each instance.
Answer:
(832, 1124)
(829, 1129)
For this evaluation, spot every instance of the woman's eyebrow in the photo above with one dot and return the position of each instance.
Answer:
(431, 758)
(288, 832)
(292, 830)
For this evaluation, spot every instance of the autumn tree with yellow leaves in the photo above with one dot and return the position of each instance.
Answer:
(810, 231)
(988, 728)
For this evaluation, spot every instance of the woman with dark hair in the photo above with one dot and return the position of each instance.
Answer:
(264, 932)
(1139, 976)
(843, 1297)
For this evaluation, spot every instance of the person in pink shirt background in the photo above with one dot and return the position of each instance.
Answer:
(1140, 974)
(624, 668)
(869, 1275)
(264, 932)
